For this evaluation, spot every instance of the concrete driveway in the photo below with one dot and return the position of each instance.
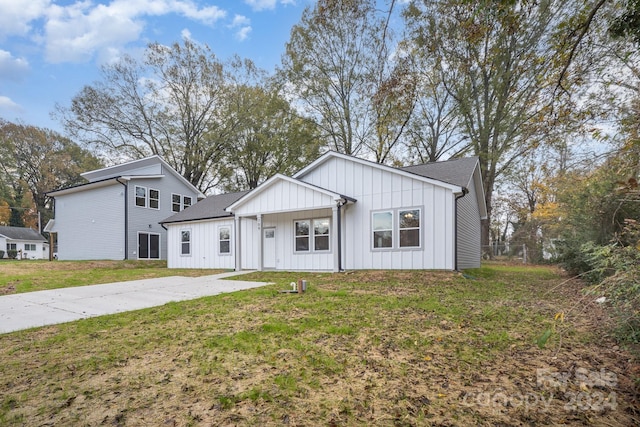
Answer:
(33, 309)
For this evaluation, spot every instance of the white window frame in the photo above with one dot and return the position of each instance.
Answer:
(220, 228)
(173, 203)
(373, 230)
(302, 236)
(12, 246)
(136, 197)
(419, 228)
(395, 229)
(149, 199)
(27, 247)
(184, 202)
(189, 243)
(311, 236)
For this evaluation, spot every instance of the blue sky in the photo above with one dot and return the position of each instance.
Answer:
(50, 49)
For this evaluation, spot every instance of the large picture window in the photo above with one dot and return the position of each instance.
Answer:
(224, 240)
(302, 236)
(382, 229)
(409, 226)
(185, 242)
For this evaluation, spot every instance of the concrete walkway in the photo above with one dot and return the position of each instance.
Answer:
(33, 309)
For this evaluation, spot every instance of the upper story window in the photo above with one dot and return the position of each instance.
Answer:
(147, 197)
(154, 199)
(141, 196)
(180, 202)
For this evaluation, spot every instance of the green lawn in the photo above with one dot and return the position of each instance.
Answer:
(359, 348)
(30, 275)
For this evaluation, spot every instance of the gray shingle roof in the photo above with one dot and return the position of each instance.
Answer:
(21, 233)
(456, 171)
(208, 208)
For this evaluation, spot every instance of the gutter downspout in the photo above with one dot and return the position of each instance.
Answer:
(455, 228)
(126, 218)
(340, 204)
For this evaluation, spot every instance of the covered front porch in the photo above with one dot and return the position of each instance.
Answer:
(286, 224)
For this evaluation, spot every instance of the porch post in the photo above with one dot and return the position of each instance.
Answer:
(236, 236)
(259, 218)
(335, 241)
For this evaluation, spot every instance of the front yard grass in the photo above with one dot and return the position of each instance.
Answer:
(30, 275)
(359, 348)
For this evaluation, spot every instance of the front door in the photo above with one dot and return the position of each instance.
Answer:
(269, 248)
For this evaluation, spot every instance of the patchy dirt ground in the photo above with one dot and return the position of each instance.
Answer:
(364, 348)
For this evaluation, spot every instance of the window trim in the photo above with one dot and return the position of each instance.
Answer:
(30, 245)
(190, 242)
(372, 230)
(10, 248)
(184, 205)
(312, 236)
(296, 236)
(149, 199)
(220, 227)
(173, 203)
(149, 247)
(136, 197)
(395, 230)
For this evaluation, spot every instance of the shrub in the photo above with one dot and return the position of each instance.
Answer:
(12, 254)
(1, 254)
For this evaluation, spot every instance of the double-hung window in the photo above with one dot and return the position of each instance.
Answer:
(186, 202)
(154, 199)
(396, 229)
(29, 246)
(382, 229)
(176, 199)
(224, 240)
(302, 235)
(185, 242)
(141, 196)
(12, 247)
(312, 235)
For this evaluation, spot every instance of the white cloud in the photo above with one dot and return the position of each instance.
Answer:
(16, 16)
(12, 68)
(7, 104)
(259, 5)
(186, 34)
(74, 33)
(243, 33)
(244, 25)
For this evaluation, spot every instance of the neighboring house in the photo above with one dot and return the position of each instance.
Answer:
(339, 213)
(116, 214)
(26, 241)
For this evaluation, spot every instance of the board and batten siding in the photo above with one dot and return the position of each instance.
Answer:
(90, 224)
(204, 245)
(469, 230)
(376, 189)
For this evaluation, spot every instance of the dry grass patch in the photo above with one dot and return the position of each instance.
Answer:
(364, 348)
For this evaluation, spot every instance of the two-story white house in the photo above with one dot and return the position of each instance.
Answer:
(116, 214)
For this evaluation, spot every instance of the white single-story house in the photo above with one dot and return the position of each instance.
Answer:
(26, 241)
(339, 213)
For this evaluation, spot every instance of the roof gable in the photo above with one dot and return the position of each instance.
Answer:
(332, 154)
(321, 197)
(21, 233)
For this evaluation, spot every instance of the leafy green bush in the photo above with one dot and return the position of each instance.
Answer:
(1, 254)
(12, 254)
